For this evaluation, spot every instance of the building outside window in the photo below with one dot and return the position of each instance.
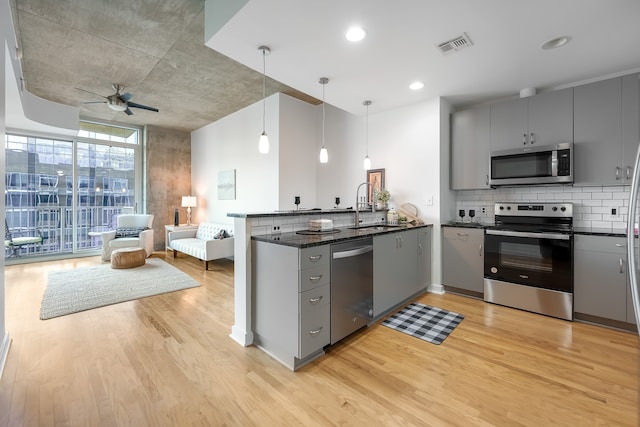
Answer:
(61, 193)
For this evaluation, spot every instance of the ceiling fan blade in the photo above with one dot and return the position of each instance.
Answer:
(126, 96)
(95, 102)
(92, 93)
(128, 112)
(144, 107)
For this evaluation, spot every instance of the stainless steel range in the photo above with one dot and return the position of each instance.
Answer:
(528, 258)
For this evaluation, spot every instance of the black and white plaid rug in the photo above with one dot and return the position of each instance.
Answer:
(431, 324)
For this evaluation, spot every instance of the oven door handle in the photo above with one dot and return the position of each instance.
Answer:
(550, 236)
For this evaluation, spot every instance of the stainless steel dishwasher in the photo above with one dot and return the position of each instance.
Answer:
(351, 287)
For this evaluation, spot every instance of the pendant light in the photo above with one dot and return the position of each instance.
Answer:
(367, 160)
(263, 144)
(324, 155)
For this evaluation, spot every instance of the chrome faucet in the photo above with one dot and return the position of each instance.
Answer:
(373, 206)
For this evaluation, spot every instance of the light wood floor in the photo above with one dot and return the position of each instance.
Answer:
(168, 361)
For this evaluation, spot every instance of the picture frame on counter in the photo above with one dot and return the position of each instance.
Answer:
(375, 177)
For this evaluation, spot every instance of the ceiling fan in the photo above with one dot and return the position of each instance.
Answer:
(119, 102)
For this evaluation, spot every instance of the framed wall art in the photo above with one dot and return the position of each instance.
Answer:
(375, 177)
(227, 185)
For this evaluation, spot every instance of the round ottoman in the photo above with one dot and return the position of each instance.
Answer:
(128, 257)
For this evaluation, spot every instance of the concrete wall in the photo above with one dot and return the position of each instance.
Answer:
(168, 167)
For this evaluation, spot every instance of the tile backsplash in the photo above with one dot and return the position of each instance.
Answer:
(592, 206)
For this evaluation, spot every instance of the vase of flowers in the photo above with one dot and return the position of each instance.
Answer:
(382, 197)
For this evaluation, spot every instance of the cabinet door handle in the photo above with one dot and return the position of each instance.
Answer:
(621, 266)
(316, 332)
(315, 300)
(315, 278)
(533, 138)
(620, 245)
(480, 250)
(524, 139)
(617, 173)
(419, 248)
(628, 168)
(314, 258)
(400, 240)
(486, 180)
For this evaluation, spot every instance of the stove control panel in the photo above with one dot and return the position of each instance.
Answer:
(538, 209)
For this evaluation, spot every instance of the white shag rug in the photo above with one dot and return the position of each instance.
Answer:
(71, 291)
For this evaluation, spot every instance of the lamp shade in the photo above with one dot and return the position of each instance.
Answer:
(189, 201)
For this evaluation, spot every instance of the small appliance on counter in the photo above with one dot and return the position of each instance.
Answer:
(320, 225)
(392, 217)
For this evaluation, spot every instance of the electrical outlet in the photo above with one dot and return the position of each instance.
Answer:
(483, 210)
(614, 212)
(276, 229)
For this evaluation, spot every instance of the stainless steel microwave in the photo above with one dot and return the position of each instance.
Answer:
(548, 164)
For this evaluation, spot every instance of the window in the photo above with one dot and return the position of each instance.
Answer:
(63, 193)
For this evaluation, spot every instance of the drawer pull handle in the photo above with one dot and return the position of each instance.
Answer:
(316, 332)
(315, 278)
(621, 266)
(462, 234)
(620, 245)
(315, 300)
(314, 258)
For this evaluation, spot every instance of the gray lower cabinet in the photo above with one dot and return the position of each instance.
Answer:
(470, 146)
(600, 276)
(424, 257)
(395, 269)
(463, 259)
(291, 290)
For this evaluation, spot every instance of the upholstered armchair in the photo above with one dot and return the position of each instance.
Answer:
(132, 230)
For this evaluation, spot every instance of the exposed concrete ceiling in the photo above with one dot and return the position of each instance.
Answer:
(154, 48)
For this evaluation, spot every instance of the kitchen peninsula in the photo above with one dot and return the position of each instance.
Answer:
(269, 252)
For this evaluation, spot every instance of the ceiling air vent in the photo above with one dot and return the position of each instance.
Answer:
(454, 45)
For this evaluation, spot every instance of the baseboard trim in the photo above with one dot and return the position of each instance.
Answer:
(436, 289)
(4, 352)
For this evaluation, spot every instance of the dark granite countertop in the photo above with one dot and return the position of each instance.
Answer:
(466, 224)
(293, 212)
(595, 231)
(339, 235)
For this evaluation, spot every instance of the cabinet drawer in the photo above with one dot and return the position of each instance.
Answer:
(313, 256)
(612, 245)
(315, 330)
(313, 298)
(313, 277)
(464, 234)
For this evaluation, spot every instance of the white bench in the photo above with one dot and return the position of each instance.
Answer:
(206, 243)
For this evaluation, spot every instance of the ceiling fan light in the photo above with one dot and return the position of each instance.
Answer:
(116, 105)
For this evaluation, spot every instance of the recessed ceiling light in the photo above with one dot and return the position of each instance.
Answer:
(554, 43)
(416, 85)
(355, 34)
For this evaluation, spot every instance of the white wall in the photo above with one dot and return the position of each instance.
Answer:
(298, 160)
(407, 142)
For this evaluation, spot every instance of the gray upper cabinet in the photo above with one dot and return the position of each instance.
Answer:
(542, 119)
(598, 133)
(607, 130)
(470, 145)
(630, 123)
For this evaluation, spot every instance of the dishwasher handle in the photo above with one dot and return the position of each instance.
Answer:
(353, 252)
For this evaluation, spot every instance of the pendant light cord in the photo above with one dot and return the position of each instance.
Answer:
(367, 129)
(264, 89)
(323, 114)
